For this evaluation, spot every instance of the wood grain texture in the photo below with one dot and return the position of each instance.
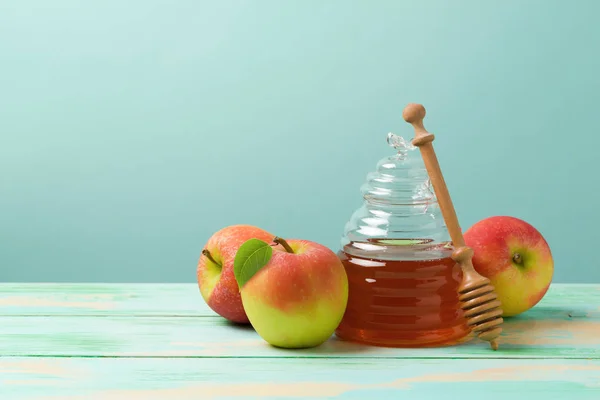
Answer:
(566, 324)
(151, 299)
(211, 337)
(76, 299)
(150, 379)
(155, 341)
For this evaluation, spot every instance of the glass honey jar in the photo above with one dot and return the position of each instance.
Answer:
(404, 271)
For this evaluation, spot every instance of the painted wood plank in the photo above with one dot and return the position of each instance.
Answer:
(101, 299)
(149, 379)
(526, 336)
(564, 324)
(184, 299)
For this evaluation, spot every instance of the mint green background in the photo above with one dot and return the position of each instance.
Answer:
(131, 131)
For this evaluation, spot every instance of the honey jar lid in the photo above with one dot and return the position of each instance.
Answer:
(399, 207)
(400, 179)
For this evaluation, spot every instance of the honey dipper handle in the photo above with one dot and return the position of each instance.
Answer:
(479, 301)
(414, 115)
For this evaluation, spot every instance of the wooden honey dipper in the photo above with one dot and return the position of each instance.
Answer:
(481, 306)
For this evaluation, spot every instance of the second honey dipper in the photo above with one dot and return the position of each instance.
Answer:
(480, 304)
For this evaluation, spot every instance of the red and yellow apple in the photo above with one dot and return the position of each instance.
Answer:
(515, 257)
(298, 298)
(214, 272)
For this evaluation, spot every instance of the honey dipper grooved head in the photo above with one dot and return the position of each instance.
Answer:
(413, 113)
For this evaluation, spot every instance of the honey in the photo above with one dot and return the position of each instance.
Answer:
(402, 303)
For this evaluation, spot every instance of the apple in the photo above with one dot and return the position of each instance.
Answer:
(515, 257)
(298, 297)
(214, 272)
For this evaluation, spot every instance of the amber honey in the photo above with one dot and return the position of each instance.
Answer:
(397, 299)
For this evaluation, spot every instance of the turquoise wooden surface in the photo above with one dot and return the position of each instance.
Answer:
(160, 341)
(183, 299)
(134, 378)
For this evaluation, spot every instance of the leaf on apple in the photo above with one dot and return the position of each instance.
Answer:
(249, 259)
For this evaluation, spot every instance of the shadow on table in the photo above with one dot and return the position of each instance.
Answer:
(332, 347)
(237, 326)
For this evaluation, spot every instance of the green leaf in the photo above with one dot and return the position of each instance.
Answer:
(249, 259)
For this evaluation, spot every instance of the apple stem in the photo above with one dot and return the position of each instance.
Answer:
(207, 254)
(283, 243)
(517, 258)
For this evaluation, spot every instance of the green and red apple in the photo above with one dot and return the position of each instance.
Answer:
(294, 292)
(214, 272)
(515, 257)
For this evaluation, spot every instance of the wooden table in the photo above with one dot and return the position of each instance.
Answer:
(160, 341)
